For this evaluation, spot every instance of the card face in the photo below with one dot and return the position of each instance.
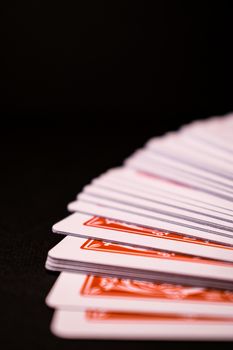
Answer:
(142, 217)
(116, 257)
(79, 292)
(95, 324)
(102, 228)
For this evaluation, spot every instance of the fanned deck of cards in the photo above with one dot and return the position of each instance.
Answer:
(148, 252)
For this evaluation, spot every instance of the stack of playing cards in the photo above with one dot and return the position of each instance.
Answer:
(148, 252)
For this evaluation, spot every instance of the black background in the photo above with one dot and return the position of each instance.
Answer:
(82, 85)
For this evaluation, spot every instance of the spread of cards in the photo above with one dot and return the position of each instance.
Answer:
(148, 252)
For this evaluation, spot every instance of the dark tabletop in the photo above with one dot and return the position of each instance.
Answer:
(82, 85)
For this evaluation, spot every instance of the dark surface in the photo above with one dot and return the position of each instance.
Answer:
(82, 85)
(115, 56)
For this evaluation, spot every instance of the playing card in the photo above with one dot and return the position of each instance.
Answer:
(82, 225)
(120, 260)
(79, 292)
(96, 324)
(145, 218)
